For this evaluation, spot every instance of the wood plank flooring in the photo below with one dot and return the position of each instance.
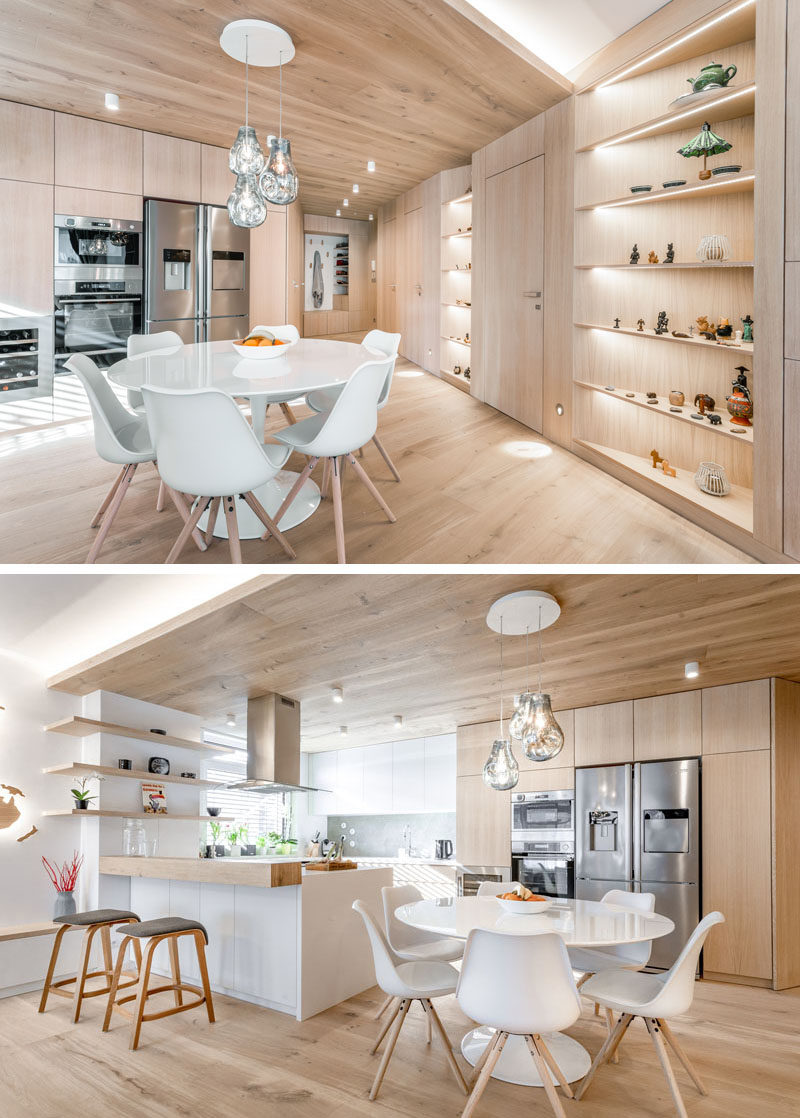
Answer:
(254, 1063)
(477, 487)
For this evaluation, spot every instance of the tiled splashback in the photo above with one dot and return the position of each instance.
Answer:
(380, 836)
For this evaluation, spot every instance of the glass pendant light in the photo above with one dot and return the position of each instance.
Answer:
(246, 205)
(501, 771)
(533, 722)
(279, 182)
(246, 156)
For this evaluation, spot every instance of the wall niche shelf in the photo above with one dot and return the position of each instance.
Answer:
(460, 306)
(81, 768)
(455, 236)
(741, 182)
(455, 341)
(453, 378)
(631, 332)
(709, 264)
(101, 812)
(80, 727)
(663, 406)
(456, 245)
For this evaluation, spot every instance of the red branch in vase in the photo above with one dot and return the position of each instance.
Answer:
(64, 877)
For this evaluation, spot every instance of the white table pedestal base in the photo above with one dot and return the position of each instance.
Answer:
(271, 497)
(516, 1063)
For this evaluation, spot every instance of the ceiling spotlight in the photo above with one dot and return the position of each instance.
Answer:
(337, 694)
(338, 213)
(355, 188)
(692, 670)
(230, 719)
(371, 165)
(345, 202)
(342, 731)
(372, 217)
(112, 102)
(398, 722)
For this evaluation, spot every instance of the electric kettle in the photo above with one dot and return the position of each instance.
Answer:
(444, 848)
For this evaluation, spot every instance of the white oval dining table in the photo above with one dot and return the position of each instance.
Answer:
(579, 923)
(311, 364)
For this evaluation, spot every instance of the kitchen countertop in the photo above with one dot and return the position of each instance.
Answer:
(406, 861)
(267, 873)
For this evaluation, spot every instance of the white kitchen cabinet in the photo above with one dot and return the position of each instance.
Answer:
(323, 774)
(378, 796)
(408, 776)
(350, 781)
(440, 773)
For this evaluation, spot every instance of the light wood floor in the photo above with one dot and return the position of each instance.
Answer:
(258, 1064)
(477, 487)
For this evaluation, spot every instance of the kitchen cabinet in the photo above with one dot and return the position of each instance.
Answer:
(473, 744)
(545, 780)
(26, 249)
(737, 869)
(440, 773)
(26, 153)
(350, 781)
(378, 779)
(98, 203)
(171, 168)
(408, 776)
(736, 717)
(667, 726)
(604, 734)
(323, 775)
(97, 155)
(268, 272)
(216, 180)
(315, 323)
(483, 824)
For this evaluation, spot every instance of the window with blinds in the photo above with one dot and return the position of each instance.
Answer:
(259, 813)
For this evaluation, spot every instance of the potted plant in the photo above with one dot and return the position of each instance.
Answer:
(274, 839)
(81, 795)
(287, 846)
(233, 841)
(261, 845)
(64, 879)
(247, 848)
(215, 849)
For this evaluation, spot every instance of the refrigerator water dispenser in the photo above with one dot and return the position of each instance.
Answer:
(177, 269)
(666, 831)
(603, 830)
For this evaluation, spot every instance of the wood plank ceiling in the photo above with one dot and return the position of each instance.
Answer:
(418, 645)
(412, 84)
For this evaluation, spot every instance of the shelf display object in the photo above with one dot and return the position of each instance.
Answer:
(704, 144)
(456, 297)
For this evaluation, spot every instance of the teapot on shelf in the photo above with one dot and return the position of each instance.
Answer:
(713, 76)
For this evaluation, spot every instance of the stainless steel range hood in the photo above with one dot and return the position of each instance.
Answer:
(273, 747)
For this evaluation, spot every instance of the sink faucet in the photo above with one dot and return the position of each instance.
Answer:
(407, 840)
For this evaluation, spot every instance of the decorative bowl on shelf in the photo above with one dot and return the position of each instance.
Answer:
(264, 352)
(730, 169)
(674, 182)
(641, 189)
(213, 811)
(524, 908)
(712, 479)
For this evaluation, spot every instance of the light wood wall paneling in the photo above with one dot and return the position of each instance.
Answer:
(477, 384)
(546, 780)
(339, 322)
(295, 249)
(791, 384)
(792, 167)
(26, 248)
(171, 168)
(515, 147)
(770, 188)
(268, 271)
(413, 199)
(483, 823)
(26, 151)
(98, 203)
(791, 346)
(737, 862)
(604, 734)
(786, 809)
(791, 465)
(315, 323)
(736, 717)
(97, 155)
(667, 726)
(431, 272)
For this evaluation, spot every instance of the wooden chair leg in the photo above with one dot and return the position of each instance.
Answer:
(161, 500)
(51, 968)
(98, 516)
(208, 535)
(610, 1028)
(141, 995)
(185, 514)
(395, 1010)
(362, 474)
(290, 496)
(448, 1051)
(583, 978)
(677, 1048)
(385, 457)
(485, 1075)
(405, 1005)
(200, 945)
(429, 1022)
(112, 993)
(549, 1059)
(175, 967)
(113, 509)
(547, 1082)
(609, 1048)
(484, 1056)
(287, 411)
(229, 505)
(326, 477)
(269, 523)
(384, 1006)
(83, 970)
(338, 517)
(658, 1043)
(188, 529)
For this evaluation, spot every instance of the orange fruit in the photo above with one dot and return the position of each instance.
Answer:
(264, 341)
(250, 341)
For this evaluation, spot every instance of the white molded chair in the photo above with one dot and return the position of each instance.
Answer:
(204, 445)
(324, 398)
(521, 986)
(653, 997)
(334, 435)
(140, 345)
(495, 888)
(404, 983)
(289, 333)
(120, 437)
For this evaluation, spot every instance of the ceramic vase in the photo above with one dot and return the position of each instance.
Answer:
(714, 246)
(65, 904)
(676, 397)
(711, 478)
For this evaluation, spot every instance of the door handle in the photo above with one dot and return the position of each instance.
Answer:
(532, 294)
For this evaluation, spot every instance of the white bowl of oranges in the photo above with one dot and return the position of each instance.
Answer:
(262, 345)
(522, 902)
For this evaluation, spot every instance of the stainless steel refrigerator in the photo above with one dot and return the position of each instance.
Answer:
(197, 272)
(637, 827)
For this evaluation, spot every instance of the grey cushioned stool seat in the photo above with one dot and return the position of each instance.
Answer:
(164, 926)
(96, 916)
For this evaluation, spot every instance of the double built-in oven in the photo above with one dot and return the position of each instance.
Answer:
(543, 841)
(97, 287)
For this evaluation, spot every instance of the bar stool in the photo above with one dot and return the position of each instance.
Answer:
(98, 920)
(166, 929)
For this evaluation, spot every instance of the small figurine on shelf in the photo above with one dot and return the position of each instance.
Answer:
(670, 471)
(705, 143)
(467, 373)
(616, 324)
(656, 458)
(679, 334)
(457, 370)
(740, 401)
(676, 396)
(737, 337)
(704, 403)
(706, 328)
(652, 257)
(670, 257)
(651, 397)
(662, 324)
(635, 254)
(640, 325)
(715, 420)
(724, 330)
(748, 324)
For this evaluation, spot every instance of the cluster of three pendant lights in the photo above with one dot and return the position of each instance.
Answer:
(533, 722)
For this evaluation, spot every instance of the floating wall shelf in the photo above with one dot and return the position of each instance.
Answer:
(454, 236)
(737, 183)
(455, 341)
(709, 264)
(744, 435)
(461, 306)
(80, 727)
(141, 815)
(80, 768)
(453, 378)
(711, 347)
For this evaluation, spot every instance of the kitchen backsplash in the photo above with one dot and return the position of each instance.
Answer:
(382, 835)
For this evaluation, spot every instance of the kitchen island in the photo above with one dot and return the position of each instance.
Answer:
(278, 936)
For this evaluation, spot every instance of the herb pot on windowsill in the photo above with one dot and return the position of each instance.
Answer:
(65, 904)
(236, 851)
(249, 850)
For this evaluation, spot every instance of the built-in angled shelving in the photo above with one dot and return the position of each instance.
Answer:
(632, 332)
(161, 817)
(455, 341)
(80, 727)
(741, 182)
(712, 265)
(456, 236)
(457, 379)
(455, 318)
(81, 768)
(662, 407)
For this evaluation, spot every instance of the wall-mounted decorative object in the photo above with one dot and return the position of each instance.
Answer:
(81, 795)
(713, 76)
(634, 255)
(748, 324)
(711, 478)
(676, 396)
(652, 258)
(159, 766)
(640, 189)
(662, 323)
(713, 246)
(740, 401)
(64, 878)
(724, 329)
(28, 834)
(670, 256)
(705, 143)
(9, 809)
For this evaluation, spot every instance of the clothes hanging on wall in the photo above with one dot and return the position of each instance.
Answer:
(317, 282)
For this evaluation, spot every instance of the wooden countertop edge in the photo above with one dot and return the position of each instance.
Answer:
(227, 871)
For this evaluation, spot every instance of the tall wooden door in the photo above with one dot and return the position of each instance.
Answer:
(387, 266)
(413, 317)
(514, 285)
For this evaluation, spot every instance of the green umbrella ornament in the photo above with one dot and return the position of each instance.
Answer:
(705, 143)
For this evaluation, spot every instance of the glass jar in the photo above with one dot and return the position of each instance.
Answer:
(134, 839)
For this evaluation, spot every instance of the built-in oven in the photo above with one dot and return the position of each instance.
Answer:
(97, 287)
(537, 814)
(469, 878)
(543, 841)
(549, 871)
